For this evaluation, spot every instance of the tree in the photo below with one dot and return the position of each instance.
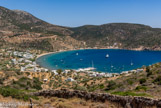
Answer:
(147, 69)
(143, 80)
(59, 71)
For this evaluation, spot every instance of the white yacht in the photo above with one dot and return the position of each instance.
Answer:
(107, 55)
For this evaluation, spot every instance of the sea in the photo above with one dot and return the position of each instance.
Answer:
(103, 60)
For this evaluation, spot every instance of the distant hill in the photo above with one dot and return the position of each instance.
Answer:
(17, 24)
(123, 35)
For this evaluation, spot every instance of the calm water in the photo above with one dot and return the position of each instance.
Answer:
(118, 60)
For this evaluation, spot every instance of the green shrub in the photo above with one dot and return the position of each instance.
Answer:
(111, 85)
(138, 88)
(91, 88)
(147, 69)
(37, 84)
(101, 86)
(143, 80)
(77, 87)
(149, 73)
(15, 93)
(59, 71)
(157, 80)
(129, 93)
(23, 79)
(129, 81)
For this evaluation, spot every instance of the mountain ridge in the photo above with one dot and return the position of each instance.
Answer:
(111, 35)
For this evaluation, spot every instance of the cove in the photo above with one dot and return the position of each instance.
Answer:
(116, 62)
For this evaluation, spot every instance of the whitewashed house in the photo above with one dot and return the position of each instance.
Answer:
(70, 79)
(22, 69)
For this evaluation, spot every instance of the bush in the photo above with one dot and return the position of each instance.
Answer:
(37, 84)
(23, 79)
(143, 80)
(91, 88)
(129, 81)
(15, 93)
(129, 93)
(59, 71)
(158, 80)
(138, 88)
(149, 73)
(111, 85)
(147, 69)
(101, 86)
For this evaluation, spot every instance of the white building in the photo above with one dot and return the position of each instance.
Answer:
(28, 56)
(45, 80)
(46, 70)
(22, 69)
(70, 79)
(14, 61)
(28, 61)
(55, 72)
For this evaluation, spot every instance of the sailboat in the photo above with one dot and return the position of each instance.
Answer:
(91, 68)
(131, 63)
(107, 55)
(77, 53)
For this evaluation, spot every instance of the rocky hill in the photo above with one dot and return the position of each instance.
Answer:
(23, 30)
(122, 35)
(19, 26)
(17, 20)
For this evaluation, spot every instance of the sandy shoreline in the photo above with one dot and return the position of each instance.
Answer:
(134, 49)
(44, 54)
(52, 53)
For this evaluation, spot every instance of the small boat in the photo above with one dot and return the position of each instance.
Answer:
(77, 53)
(107, 55)
(131, 63)
(90, 68)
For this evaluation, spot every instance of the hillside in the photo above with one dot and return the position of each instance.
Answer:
(122, 35)
(17, 20)
(24, 31)
(138, 88)
(20, 28)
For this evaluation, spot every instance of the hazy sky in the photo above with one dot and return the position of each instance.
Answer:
(81, 12)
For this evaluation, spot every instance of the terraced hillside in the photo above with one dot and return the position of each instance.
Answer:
(16, 24)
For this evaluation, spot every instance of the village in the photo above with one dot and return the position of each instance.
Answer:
(26, 62)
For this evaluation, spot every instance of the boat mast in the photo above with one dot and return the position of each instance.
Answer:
(92, 64)
(131, 63)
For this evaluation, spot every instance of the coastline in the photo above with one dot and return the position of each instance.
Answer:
(97, 73)
(43, 54)
(133, 49)
(47, 53)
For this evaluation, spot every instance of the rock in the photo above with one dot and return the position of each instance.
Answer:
(124, 101)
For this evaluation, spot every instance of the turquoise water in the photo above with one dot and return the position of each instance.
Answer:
(118, 60)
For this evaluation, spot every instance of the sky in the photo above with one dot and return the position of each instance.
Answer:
(74, 13)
